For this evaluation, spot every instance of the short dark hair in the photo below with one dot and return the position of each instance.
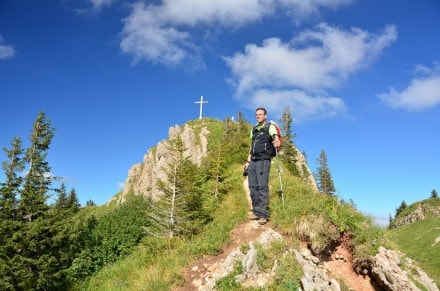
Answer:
(261, 108)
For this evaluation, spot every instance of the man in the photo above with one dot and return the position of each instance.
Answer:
(265, 142)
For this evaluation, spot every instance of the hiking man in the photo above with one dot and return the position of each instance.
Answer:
(264, 141)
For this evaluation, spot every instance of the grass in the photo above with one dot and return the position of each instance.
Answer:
(306, 215)
(156, 263)
(417, 240)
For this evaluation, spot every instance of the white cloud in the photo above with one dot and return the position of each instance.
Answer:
(165, 33)
(313, 62)
(304, 9)
(94, 6)
(146, 39)
(6, 51)
(297, 72)
(121, 185)
(422, 93)
(304, 106)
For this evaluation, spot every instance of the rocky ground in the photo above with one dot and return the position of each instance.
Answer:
(198, 274)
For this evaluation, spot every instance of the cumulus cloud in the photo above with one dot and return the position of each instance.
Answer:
(165, 33)
(423, 91)
(312, 106)
(299, 72)
(313, 62)
(97, 5)
(301, 9)
(6, 51)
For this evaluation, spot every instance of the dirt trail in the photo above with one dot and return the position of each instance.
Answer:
(339, 266)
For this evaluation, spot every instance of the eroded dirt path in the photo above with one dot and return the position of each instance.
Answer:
(339, 265)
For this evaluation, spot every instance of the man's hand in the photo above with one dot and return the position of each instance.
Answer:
(276, 143)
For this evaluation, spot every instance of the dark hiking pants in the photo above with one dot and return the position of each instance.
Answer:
(258, 180)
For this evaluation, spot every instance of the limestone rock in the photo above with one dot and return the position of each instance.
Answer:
(389, 273)
(142, 178)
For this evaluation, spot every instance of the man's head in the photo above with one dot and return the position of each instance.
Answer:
(261, 115)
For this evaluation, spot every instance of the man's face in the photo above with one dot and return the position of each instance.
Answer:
(260, 116)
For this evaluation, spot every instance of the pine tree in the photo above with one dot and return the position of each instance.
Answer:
(286, 121)
(38, 179)
(61, 202)
(180, 210)
(323, 176)
(9, 222)
(10, 188)
(289, 154)
(434, 194)
(400, 208)
(33, 262)
(72, 201)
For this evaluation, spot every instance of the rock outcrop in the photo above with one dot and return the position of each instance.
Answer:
(251, 277)
(392, 271)
(420, 213)
(143, 177)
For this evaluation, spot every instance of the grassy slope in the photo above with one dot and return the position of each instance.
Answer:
(417, 240)
(307, 215)
(155, 264)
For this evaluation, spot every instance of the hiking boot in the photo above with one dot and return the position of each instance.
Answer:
(253, 217)
(262, 221)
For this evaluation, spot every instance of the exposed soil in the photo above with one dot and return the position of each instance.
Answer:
(339, 262)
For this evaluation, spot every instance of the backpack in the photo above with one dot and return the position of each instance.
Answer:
(262, 147)
(278, 130)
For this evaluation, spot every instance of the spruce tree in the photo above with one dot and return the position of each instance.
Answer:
(10, 188)
(323, 176)
(61, 202)
(34, 264)
(180, 210)
(289, 153)
(400, 208)
(286, 121)
(38, 179)
(9, 221)
(72, 201)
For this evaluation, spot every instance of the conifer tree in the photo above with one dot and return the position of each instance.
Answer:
(240, 118)
(180, 210)
(61, 202)
(323, 176)
(73, 201)
(38, 179)
(9, 221)
(286, 121)
(434, 194)
(400, 208)
(10, 188)
(290, 155)
(34, 264)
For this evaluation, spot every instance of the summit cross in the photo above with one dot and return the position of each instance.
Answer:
(201, 105)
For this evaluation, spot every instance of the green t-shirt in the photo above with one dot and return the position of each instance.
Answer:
(272, 129)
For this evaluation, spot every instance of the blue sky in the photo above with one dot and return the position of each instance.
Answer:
(362, 79)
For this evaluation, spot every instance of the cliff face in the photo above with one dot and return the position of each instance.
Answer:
(143, 177)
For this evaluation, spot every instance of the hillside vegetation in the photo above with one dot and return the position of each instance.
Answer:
(420, 240)
(306, 215)
(143, 244)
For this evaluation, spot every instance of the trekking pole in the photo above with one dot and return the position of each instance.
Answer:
(279, 176)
